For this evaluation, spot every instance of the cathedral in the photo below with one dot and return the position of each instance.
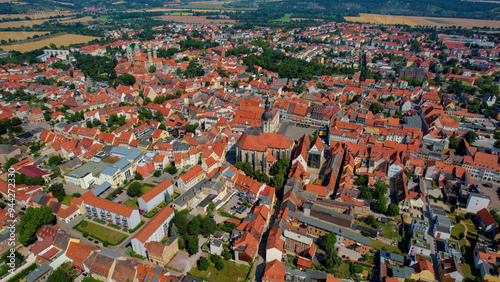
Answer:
(262, 148)
(144, 62)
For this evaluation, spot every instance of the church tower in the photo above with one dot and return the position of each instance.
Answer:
(130, 55)
(267, 118)
(137, 50)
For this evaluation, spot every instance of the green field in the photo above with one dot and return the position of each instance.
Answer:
(285, 18)
(458, 228)
(379, 245)
(230, 273)
(102, 233)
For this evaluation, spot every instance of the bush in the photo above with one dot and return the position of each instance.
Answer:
(227, 255)
(365, 233)
(157, 173)
(105, 243)
(219, 265)
(83, 223)
(203, 264)
(85, 234)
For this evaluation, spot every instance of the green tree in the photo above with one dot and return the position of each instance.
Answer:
(58, 191)
(138, 176)
(356, 268)
(162, 126)
(180, 220)
(454, 143)
(211, 207)
(370, 220)
(219, 265)
(55, 160)
(157, 173)
(191, 244)
(470, 136)
(278, 181)
(376, 108)
(208, 226)
(203, 264)
(227, 255)
(32, 221)
(366, 193)
(192, 127)
(171, 170)
(10, 162)
(380, 189)
(328, 241)
(381, 204)
(331, 259)
(18, 258)
(152, 69)
(361, 180)
(194, 227)
(393, 209)
(59, 275)
(134, 189)
(126, 79)
(174, 232)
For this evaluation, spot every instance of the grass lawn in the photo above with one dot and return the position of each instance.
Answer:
(174, 195)
(67, 200)
(102, 233)
(230, 273)
(458, 228)
(377, 245)
(132, 204)
(285, 18)
(344, 268)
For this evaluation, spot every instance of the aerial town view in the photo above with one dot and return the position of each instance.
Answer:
(243, 140)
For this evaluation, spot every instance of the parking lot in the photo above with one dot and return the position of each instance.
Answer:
(493, 192)
(234, 204)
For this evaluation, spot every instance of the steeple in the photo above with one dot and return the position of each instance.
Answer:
(267, 118)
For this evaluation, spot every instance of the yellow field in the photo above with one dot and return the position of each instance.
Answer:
(5, 35)
(118, 2)
(380, 19)
(181, 9)
(37, 16)
(61, 40)
(423, 21)
(40, 21)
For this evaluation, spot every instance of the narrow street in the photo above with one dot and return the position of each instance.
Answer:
(260, 261)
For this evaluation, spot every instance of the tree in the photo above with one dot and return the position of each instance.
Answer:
(152, 69)
(32, 221)
(138, 176)
(194, 227)
(203, 264)
(227, 255)
(211, 207)
(174, 232)
(470, 136)
(376, 108)
(134, 189)
(361, 180)
(10, 162)
(126, 79)
(370, 220)
(58, 191)
(454, 143)
(191, 244)
(331, 259)
(180, 220)
(157, 173)
(55, 160)
(328, 241)
(393, 210)
(18, 258)
(366, 193)
(219, 265)
(356, 268)
(59, 275)
(278, 181)
(167, 198)
(380, 189)
(192, 127)
(171, 170)
(162, 126)
(208, 226)
(381, 204)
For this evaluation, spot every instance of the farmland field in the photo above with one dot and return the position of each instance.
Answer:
(37, 15)
(423, 21)
(65, 40)
(194, 19)
(40, 21)
(16, 35)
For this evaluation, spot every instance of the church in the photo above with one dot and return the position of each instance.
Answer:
(141, 60)
(260, 147)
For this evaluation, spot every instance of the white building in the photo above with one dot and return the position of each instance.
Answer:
(110, 212)
(476, 202)
(155, 196)
(155, 230)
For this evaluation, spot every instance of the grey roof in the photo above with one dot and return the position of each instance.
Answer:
(110, 254)
(402, 272)
(331, 228)
(90, 167)
(7, 149)
(109, 170)
(35, 274)
(216, 242)
(101, 188)
(392, 256)
(442, 229)
(414, 122)
(71, 164)
(229, 173)
(205, 202)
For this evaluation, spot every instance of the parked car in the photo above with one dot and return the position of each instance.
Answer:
(90, 239)
(212, 216)
(120, 202)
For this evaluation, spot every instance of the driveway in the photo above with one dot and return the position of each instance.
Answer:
(349, 254)
(183, 262)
